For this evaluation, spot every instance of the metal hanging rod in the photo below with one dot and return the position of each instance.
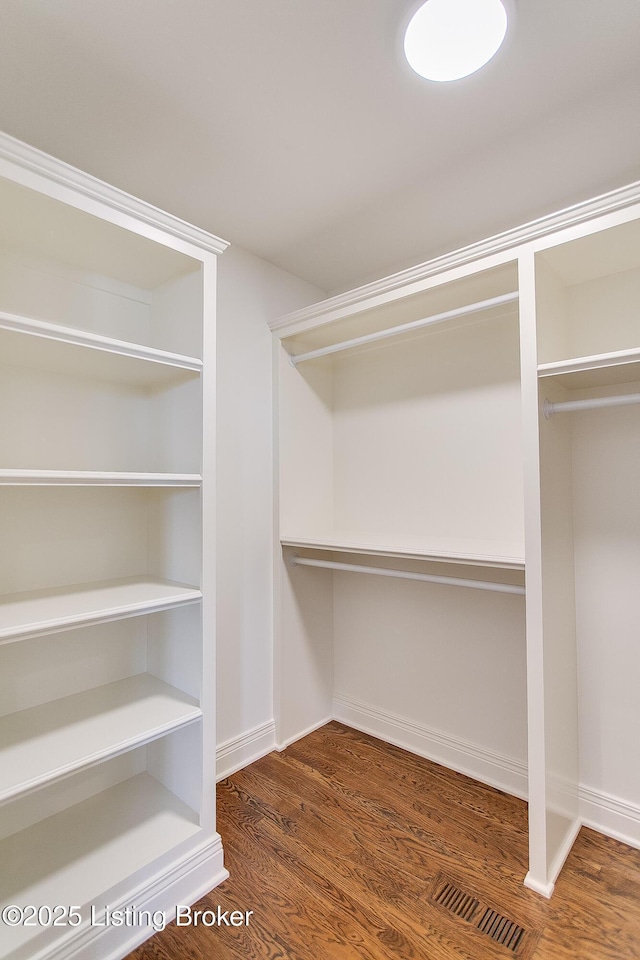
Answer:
(567, 406)
(405, 327)
(297, 561)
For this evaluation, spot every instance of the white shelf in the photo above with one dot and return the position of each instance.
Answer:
(468, 552)
(40, 612)
(75, 856)
(600, 370)
(90, 478)
(34, 343)
(53, 740)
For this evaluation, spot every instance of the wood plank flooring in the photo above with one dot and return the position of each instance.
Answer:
(335, 845)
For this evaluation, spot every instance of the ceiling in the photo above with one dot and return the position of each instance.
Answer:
(294, 129)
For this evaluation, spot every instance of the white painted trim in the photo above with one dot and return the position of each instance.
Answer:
(93, 341)
(611, 816)
(564, 851)
(185, 881)
(240, 751)
(599, 811)
(351, 300)
(496, 770)
(544, 889)
(303, 733)
(35, 161)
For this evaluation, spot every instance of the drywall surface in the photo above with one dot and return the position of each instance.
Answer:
(250, 292)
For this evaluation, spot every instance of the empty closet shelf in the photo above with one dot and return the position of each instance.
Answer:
(597, 370)
(506, 556)
(39, 612)
(37, 344)
(83, 851)
(52, 740)
(413, 325)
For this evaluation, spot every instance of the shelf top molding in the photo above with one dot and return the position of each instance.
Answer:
(453, 552)
(32, 161)
(618, 366)
(41, 612)
(90, 478)
(53, 331)
(412, 280)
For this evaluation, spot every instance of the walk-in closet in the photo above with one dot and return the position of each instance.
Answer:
(458, 545)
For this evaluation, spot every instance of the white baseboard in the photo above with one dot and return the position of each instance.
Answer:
(303, 733)
(468, 758)
(184, 882)
(601, 812)
(615, 818)
(240, 751)
(544, 889)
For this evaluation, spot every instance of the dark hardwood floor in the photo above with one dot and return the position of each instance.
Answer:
(341, 844)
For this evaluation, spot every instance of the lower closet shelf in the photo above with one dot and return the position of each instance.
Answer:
(51, 741)
(85, 851)
(47, 611)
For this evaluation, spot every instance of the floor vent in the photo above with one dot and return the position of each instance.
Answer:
(456, 900)
(501, 929)
(482, 918)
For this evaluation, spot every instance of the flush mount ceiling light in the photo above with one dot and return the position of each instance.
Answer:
(449, 39)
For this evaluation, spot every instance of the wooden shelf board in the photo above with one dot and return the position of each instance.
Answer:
(88, 478)
(40, 612)
(460, 552)
(599, 370)
(46, 346)
(76, 856)
(52, 740)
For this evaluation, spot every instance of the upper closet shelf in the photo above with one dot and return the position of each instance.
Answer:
(501, 556)
(65, 350)
(52, 740)
(40, 612)
(90, 478)
(600, 370)
(437, 318)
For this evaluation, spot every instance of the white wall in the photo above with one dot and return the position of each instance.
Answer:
(250, 292)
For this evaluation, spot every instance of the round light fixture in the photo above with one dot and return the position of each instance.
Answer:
(449, 39)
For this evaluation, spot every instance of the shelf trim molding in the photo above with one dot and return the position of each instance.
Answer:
(426, 554)
(89, 478)
(30, 159)
(599, 361)
(80, 338)
(45, 627)
(357, 298)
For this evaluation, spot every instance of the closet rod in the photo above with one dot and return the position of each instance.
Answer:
(566, 406)
(297, 561)
(405, 327)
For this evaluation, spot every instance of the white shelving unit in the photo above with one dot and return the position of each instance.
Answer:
(412, 438)
(107, 380)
